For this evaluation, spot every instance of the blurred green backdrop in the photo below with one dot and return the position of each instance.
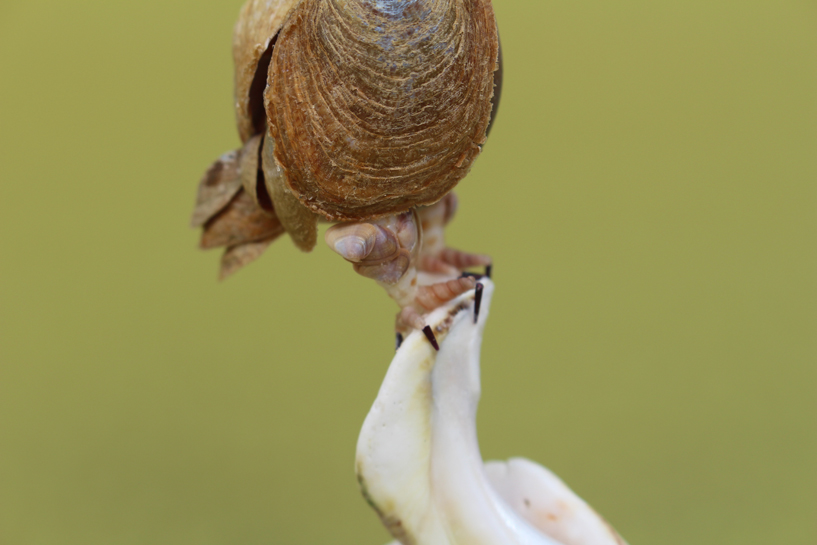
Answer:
(648, 193)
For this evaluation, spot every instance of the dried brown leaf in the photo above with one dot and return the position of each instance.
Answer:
(249, 170)
(218, 186)
(236, 257)
(240, 222)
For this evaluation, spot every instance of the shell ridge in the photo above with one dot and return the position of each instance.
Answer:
(323, 94)
(369, 127)
(377, 135)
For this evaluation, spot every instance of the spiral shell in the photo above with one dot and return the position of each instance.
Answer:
(349, 109)
(377, 106)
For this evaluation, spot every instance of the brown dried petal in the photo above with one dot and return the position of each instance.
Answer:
(258, 23)
(242, 221)
(218, 186)
(236, 257)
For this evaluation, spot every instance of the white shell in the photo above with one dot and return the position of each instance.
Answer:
(418, 458)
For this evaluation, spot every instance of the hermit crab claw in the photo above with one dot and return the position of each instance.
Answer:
(418, 460)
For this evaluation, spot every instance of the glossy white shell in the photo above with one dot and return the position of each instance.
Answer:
(418, 458)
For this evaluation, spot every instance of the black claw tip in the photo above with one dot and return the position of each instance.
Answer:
(477, 300)
(398, 341)
(488, 270)
(431, 338)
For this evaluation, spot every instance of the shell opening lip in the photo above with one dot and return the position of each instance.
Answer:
(261, 193)
(497, 86)
(258, 114)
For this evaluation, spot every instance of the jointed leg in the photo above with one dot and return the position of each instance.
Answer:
(435, 256)
(393, 249)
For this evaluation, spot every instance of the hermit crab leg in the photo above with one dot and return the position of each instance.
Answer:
(430, 297)
(435, 256)
(384, 250)
(387, 250)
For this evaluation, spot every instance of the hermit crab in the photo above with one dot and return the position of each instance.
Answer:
(361, 112)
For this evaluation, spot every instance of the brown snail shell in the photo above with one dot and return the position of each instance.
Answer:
(380, 106)
(354, 109)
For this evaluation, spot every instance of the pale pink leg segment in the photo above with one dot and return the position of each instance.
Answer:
(391, 250)
(435, 256)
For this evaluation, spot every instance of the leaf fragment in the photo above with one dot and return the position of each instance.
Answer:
(236, 257)
(240, 222)
(217, 188)
(249, 170)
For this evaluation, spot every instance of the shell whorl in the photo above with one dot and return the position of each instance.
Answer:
(377, 106)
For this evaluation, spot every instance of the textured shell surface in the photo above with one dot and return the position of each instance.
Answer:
(258, 23)
(377, 106)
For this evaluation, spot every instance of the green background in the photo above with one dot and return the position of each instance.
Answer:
(648, 193)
